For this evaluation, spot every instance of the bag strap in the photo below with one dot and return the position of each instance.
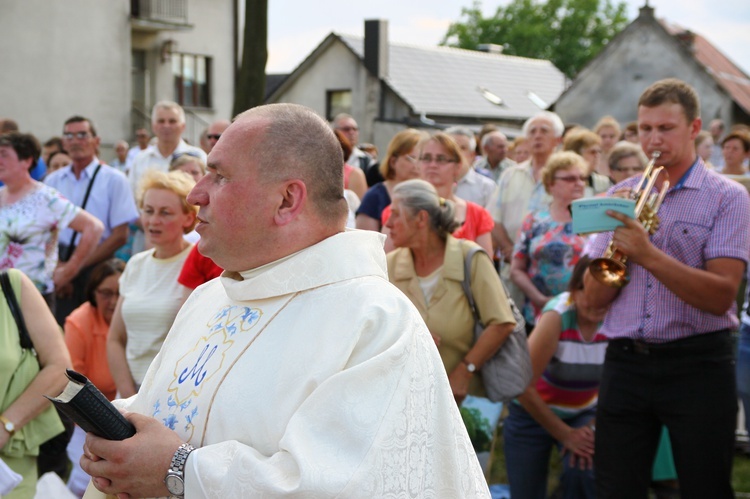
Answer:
(69, 249)
(466, 284)
(15, 309)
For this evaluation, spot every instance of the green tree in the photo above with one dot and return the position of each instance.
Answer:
(567, 32)
(250, 87)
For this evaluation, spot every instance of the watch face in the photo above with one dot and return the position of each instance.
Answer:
(10, 427)
(175, 485)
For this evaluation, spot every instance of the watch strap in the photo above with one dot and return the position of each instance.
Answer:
(471, 367)
(180, 458)
(7, 422)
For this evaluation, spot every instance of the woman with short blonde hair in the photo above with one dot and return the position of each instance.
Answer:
(547, 249)
(150, 295)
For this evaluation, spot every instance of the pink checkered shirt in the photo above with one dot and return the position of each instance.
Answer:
(706, 217)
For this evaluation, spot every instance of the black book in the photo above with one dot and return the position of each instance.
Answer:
(82, 402)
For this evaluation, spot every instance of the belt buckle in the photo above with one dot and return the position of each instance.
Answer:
(640, 347)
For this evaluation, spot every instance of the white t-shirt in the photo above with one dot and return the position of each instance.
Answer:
(151, 299)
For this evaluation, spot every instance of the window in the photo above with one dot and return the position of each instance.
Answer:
(192, 85)
(337, 102)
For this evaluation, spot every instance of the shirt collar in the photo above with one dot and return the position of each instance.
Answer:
(694, 177)
(87, 172)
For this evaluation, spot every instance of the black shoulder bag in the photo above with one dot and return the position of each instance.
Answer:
(71, 245)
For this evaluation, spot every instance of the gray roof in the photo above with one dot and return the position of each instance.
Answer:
(446, 81)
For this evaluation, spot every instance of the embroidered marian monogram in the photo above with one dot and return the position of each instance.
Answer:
(196, 368)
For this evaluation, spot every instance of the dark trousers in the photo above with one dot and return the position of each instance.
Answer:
(688, 385)
(64, 306)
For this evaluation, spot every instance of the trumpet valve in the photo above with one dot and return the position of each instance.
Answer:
(653, 226)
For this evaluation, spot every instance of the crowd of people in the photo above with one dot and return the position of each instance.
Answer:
(302, 371)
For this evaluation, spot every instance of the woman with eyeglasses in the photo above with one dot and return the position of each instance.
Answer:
(150, 295)
(440, 161)
(625, 160)
(547, 249)
(86, 330)
(588, 145)
(399, 164)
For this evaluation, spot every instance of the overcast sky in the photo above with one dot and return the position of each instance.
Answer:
(296, 27)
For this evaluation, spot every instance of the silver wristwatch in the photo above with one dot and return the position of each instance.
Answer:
(175, 479)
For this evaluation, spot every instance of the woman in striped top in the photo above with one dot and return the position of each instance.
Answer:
(557, 409)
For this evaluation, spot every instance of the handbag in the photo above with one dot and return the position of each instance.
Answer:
(48, 431)
(507, 373)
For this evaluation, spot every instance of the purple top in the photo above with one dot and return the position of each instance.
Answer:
(704, 216)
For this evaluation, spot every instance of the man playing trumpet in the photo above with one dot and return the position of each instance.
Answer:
(669, 359)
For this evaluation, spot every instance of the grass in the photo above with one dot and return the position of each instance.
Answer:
(740, 472)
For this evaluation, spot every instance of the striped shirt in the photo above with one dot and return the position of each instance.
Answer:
(704, 216)
(570, 383)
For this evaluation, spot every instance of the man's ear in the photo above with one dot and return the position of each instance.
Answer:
(293, 201)
(695, 127)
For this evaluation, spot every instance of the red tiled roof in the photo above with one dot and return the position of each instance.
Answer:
(723, 70)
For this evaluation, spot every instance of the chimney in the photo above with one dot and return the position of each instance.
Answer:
(376, 47)
(646, 12)
(687, 38)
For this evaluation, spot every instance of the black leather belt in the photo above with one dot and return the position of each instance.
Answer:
(669, 348)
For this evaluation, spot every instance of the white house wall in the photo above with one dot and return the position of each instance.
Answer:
(62, 58)
(337, 69)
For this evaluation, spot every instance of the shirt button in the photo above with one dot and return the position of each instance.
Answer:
(648, 316)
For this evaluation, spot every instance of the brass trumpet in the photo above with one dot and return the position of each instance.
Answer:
(611, 270)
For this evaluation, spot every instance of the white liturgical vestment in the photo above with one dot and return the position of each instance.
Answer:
(312, 377)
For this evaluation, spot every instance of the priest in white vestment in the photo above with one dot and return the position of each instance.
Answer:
(300, 372)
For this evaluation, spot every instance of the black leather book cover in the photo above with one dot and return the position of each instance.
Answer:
(82, 402)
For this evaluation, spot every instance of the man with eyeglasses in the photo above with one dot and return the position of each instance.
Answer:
(215, 130)
(346, 125)
(102, 191)
(168, 124)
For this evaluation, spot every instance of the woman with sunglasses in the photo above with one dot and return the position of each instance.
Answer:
(86, 330)
(547, 249)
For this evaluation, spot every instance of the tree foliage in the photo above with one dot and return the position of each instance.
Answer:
(567, 32)
(250, 87)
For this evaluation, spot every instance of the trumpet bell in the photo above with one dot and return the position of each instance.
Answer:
(610, 272)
